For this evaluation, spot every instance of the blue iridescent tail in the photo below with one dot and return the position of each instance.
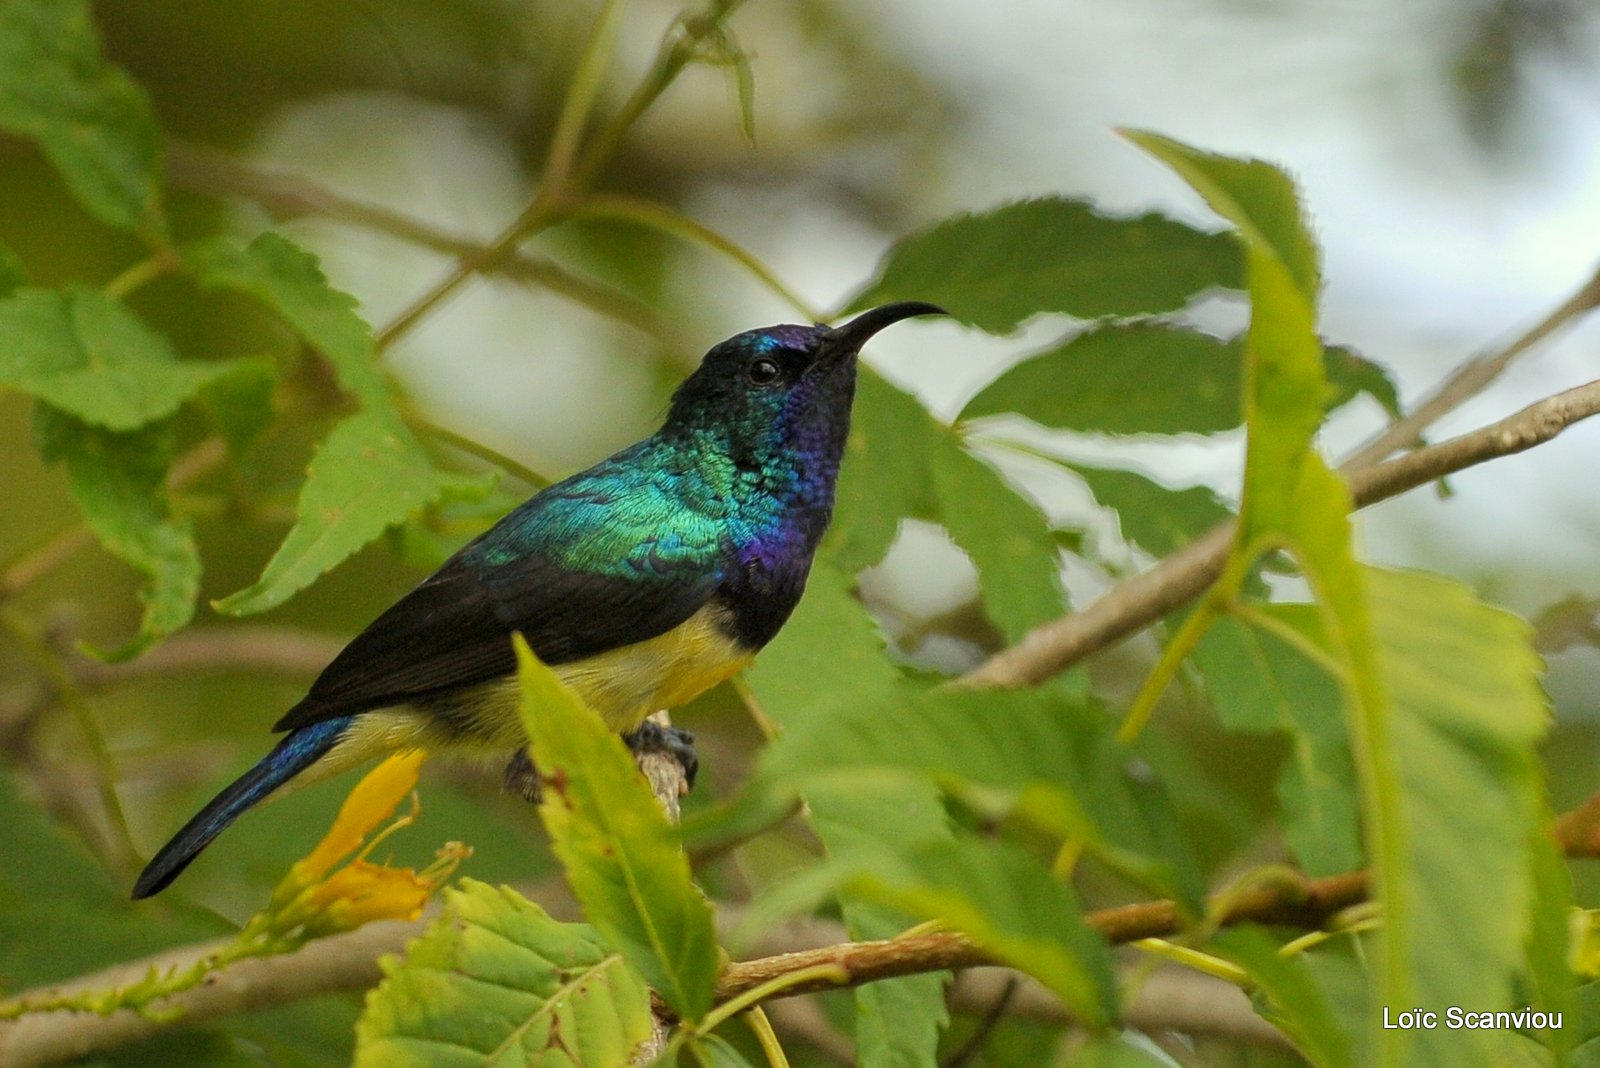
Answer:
(290, 757)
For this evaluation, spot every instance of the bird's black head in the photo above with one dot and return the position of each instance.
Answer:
(781, 388)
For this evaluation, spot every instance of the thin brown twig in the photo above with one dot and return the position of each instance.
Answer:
(288, 196)
(1471, 378)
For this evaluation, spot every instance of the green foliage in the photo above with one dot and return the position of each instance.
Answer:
(1259, 683)
(1009, 905)
(1390, 723)
(1005, 536)
(1000, 268)
(118, 482)
(91, 120)
(369, 475)
(87, 355)
(1156, 519)
(496, 981)
(289, 281)
(621, 856)
(1110, 379)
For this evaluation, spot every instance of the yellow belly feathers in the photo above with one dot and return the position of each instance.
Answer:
(624, 685)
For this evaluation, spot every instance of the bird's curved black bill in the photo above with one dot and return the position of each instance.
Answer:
(848, 338)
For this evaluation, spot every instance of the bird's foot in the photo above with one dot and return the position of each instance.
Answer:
(522, 778)
(676, 742)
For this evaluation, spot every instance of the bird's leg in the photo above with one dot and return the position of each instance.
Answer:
(674, 741)
(521, 777)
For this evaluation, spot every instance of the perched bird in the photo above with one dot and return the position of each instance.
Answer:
(642, 582)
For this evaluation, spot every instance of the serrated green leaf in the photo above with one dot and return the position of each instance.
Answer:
(85, 354)
(13, 275)
(1124, 378)
(289, 280)
(494, 981)
(1258, 683)
(1301, 1007)
(1468, 715)
(1013, 907)
(622, 858)
(831, 653)
(91, 120)
(885, 473)
(1005, 535)
(997, 269)
(1157, 519)
(118, 481)
(898, 1021)
(1052, 762)
(369, 474)
(1352, 374)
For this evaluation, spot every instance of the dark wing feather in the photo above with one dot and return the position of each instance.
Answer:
(455, 630)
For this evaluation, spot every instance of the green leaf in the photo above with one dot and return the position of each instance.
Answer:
(622, 858)
(91, 120)
(13, 275)
(997, 269)
(369, 474)
(1127, 1050)
(1010, 905)
(1123, 378)
(289, 280)
(1299, 1005)
(240, 404)
(897, 1021)
(714, 1051)
(1258, 683)
(829, 652)
(1351, 374)
(1052, 762)
(85, 354)
(118, 481)
(885, 475)
(496, 981)
(1157, 519)
(1019, 569)
(1468, 716)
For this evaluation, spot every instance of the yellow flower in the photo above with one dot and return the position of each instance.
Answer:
(317, 898)
(372, 801)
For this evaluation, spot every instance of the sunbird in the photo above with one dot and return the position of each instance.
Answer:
(642, 581)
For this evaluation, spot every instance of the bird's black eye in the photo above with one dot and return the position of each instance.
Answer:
(763, 372)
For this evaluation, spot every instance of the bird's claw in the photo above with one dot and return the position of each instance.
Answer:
(652, 737)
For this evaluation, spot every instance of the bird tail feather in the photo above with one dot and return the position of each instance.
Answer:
(290, 757)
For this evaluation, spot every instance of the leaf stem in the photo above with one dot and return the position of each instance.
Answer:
(818, 974)
(587, 79)
(762, 1027)
(659, 217)
(1196, 960)
(124, 853)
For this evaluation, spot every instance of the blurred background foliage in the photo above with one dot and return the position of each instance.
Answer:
(1448, 152)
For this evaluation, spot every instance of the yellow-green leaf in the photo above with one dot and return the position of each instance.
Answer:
(496, 983)
(622, 858)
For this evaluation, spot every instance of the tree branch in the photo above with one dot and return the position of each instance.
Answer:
(1132, 605)
(285, 196)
